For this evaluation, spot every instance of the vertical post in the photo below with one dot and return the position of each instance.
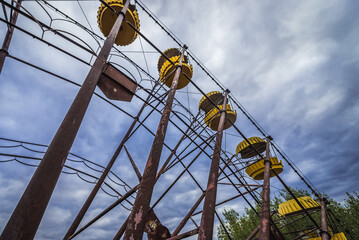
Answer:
(264, 231)
(324, 224)
(100, 181)
(138, 216)
(207, 220)
(29, 211)
(10, 31)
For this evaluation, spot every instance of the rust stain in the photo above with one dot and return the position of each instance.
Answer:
(138, 217)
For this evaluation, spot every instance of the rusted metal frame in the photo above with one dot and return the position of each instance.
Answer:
(171, 121)
(43, 25)
(29, 211)
(244, 185)
(159, 51)
(264, 231)
(99, 37)
(175, 114)
(108, 209)
(303, 234)
(296, 199)
(138, 216)
(255, 231)
(291, 222)
(162, 26)
(242, 195)
(241, 182)
(300, 230)
(175, 181)
(295, 170)
(207, 219)
(323, 219)
(121, 231)
(149, 42)
(113, 205)
(138, 174)
(346, 230)
(8, 36)
(240, 169)
(188, 215)
(146, 117)
(44, 41)
(244, 182)
(66, 166)
(276, 148)
(194, 222)
(240, 185)
(233, 125)
(234, 100)
(5, 14)
(43, 145)
(72, 20)
(72, 82)
(188, 145)
(223, 226)
(162, 96)
(94, 191)
(178, 42)
(227, 200)
(173, 152)
(184, 235)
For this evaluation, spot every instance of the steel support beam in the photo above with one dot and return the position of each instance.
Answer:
(185, 235)
(99, 183)
(28, 213)
(207, 220)
(138, 216)
(324, 225)
(254, 233)
(264, 231)
(10, 31)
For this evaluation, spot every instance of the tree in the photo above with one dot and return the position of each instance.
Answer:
(341, 217)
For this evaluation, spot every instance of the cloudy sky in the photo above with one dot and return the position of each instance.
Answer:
(292, 64)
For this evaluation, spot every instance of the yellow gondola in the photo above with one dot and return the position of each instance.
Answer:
(337, 236)
(213, 116)
(291, 207)
(106, 18)
(206, 104)
(212, 104)
(256, 170)
(166, 68)
(247, 151)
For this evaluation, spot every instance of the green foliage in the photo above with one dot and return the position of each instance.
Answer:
(241, 226)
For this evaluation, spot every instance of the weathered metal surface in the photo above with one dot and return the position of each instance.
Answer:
(28, 213)
(323, 220)
(138, 216)
(100, 181)
(10, 31)
(207, 220)
(264, 231)
(116, 85)
(184, 235)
